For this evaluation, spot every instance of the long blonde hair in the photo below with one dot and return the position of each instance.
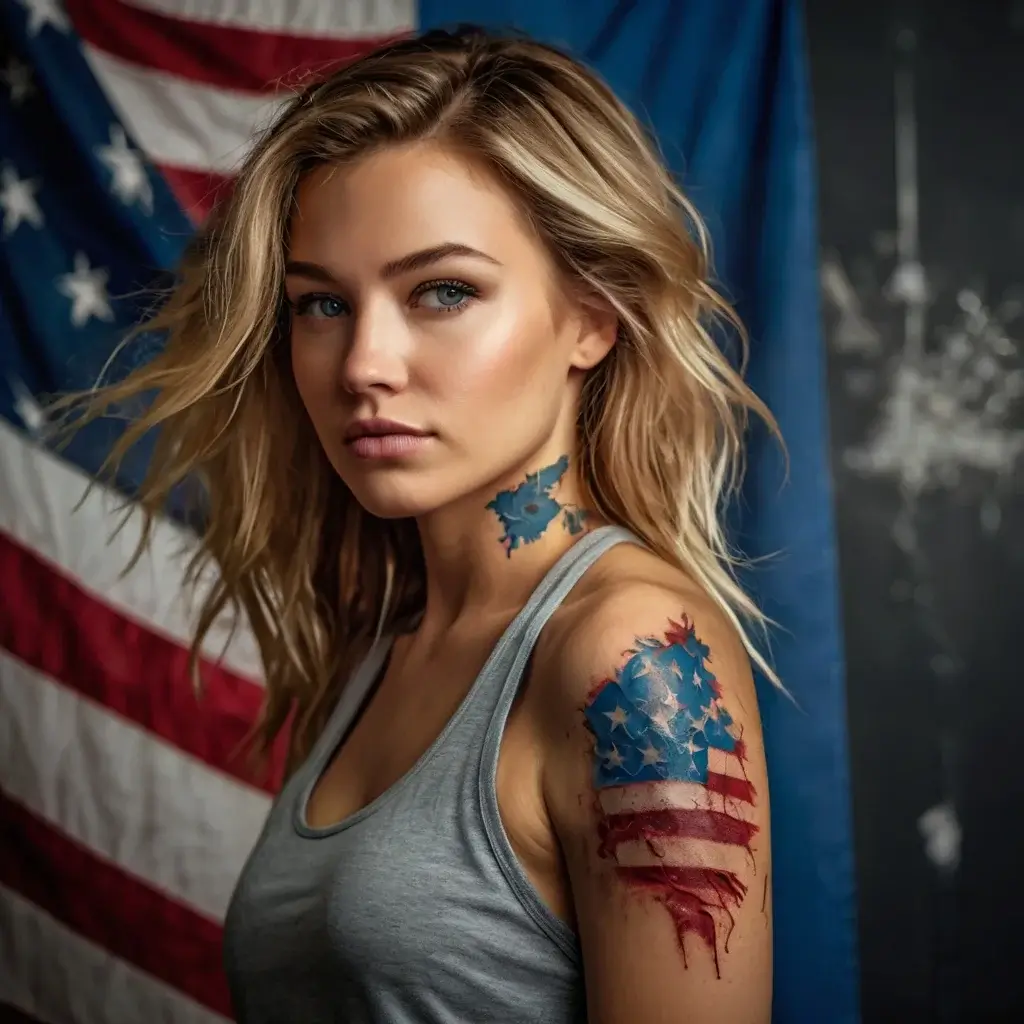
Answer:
(661, 421)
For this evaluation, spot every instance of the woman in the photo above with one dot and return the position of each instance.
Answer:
(444, 367)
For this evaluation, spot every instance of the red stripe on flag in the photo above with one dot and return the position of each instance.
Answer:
(717, 887)
(196, 191)
(690, 894)
(55, 626)
(674, 823)
(225, 56)
(730, 786)
(112, 909)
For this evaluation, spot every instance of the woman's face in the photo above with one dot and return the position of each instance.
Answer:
(419, 296)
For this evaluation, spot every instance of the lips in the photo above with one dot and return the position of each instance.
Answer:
(381, 428)
(376, 439)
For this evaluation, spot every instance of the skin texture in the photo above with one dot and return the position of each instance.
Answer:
(488, 355)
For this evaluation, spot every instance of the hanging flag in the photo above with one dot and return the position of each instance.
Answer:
(125, 810)
(120, 122)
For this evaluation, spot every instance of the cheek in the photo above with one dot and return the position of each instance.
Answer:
(314, 380)
(495, 360)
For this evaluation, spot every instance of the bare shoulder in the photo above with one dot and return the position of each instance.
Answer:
(655, 784)
(631, 595)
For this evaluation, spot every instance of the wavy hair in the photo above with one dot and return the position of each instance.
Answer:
(661, 421)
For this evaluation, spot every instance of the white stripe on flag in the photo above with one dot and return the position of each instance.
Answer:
(38, 492)
(158, 814)
(178, 122)
(58, 977)
(656, 796)
(332, 19)
(661, 852)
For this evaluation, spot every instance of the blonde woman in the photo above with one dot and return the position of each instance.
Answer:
(444, 368)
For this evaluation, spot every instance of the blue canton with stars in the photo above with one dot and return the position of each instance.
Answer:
(658, 718)
(88, 229)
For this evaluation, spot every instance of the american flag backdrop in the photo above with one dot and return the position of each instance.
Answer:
(124, 816)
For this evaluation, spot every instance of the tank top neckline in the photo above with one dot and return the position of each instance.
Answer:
(369, 673)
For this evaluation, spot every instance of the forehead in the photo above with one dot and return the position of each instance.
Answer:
(403, 199)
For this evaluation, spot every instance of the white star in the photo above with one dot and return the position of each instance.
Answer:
(660, 692)
(87, 290)
(26, 406)
(673, 703)
(130, 182)
(613, 759)
(18, 77)
(697, 681)
(657, 689)
(617, 717)
(691, 748)
(652, 755)
(45, 12)
(18, 200)
(662, 719)
(695, 721)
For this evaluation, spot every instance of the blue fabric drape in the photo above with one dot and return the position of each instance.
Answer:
(51, 141)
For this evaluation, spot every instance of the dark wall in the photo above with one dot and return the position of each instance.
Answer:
(923, 276)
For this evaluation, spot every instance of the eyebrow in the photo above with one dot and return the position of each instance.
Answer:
(403, 265)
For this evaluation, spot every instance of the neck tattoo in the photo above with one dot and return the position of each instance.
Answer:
(528, 510)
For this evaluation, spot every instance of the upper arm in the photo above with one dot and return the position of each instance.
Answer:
(656, 785)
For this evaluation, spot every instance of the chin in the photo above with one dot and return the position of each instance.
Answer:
(393, 499)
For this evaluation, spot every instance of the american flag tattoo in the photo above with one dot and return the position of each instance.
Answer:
(673, 797)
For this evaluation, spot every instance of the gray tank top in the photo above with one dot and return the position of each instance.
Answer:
(413, 910)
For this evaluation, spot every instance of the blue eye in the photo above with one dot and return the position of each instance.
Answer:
(319, 307)
(451, 296)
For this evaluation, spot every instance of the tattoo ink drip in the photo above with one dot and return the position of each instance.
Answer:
(528, 510)
(672, 791)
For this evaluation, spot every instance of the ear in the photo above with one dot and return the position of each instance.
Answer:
(598, 330)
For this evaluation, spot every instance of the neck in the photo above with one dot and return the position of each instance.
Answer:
(486, 554)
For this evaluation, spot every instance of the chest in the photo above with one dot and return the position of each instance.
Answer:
(403, 909)
(403, 715)
(406, 715)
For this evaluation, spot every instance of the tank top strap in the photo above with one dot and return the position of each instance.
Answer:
(498, 680)
(506, 672)
(512, 654)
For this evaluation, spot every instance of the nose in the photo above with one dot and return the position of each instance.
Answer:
(377, 353)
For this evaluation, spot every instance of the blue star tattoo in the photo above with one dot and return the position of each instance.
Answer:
(528, 510)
